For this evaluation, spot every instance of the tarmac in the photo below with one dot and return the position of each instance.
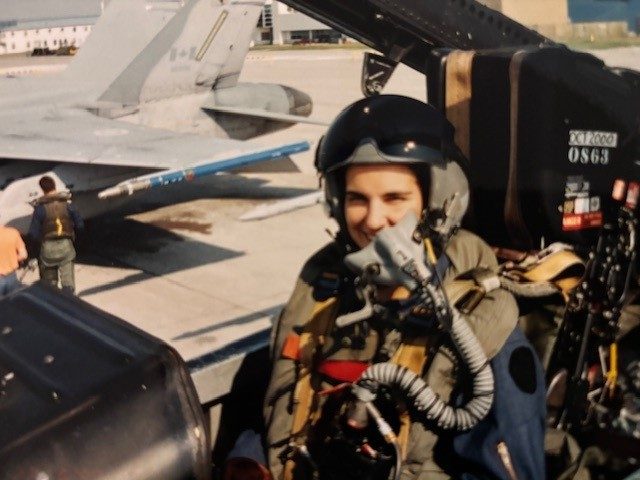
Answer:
(183, 267)
(179, 264)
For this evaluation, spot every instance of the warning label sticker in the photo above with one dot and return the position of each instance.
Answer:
(580, 210)
(591, 147)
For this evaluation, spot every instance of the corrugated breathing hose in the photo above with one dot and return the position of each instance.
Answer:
(426, 400)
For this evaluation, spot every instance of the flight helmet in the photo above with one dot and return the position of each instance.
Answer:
(388, 129)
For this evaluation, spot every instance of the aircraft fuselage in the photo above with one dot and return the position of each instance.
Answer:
(47, 99)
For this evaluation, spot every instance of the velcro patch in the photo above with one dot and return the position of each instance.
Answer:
(291, 347)
(522, 368)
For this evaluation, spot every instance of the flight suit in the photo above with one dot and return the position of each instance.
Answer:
(493, 322)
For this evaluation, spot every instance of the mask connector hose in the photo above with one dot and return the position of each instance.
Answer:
(426, 401)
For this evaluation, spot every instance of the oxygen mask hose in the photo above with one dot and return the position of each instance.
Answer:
(399, 259)
(426, 401)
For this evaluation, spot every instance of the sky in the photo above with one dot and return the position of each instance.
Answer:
(44, 9)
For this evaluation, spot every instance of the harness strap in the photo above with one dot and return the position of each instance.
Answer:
(458, 96)
(304, 411)
(412, 354)
(561, 268)
(469, 288)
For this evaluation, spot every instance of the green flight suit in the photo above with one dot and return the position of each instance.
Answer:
(492, 321)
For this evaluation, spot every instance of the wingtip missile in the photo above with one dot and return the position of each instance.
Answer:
(124, 189)
(167, 177)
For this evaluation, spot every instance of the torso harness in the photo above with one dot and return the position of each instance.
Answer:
(537, 278)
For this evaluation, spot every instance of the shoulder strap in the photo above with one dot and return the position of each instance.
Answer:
(469, 288)
(304, 396)
(411, 354)
(556, 266)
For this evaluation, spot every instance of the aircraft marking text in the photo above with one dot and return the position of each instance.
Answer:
(588, 138)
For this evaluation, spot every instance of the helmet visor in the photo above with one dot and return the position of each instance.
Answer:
(368, 152)
(401, 129)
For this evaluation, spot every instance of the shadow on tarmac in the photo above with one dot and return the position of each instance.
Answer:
(215, 187)
(127, 243)
(241, 320)
(112, 240)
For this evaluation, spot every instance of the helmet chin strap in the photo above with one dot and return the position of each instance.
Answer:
(454, 209)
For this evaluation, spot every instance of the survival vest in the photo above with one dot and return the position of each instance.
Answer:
(57, 221)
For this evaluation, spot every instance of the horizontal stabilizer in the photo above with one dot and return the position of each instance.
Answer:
(283, 206)
(168, 177)
(253, 112)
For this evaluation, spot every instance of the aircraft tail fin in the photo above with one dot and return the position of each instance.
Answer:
(202, 46)
(124, 29)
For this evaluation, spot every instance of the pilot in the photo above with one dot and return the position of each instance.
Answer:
(435, 356)
(54, 224)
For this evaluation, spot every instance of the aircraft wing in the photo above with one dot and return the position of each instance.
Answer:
(83, 138)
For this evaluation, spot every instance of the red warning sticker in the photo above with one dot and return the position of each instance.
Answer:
(581, 221)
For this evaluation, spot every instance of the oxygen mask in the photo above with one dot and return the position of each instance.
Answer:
(396, 257)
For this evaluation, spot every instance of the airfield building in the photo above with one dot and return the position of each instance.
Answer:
(557, 19)
(29, 36)
(281, 24)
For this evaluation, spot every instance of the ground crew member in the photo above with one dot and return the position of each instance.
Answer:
(54, 224)
(383, 160)
(12, 252)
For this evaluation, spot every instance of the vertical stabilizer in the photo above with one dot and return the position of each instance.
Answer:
(122, 32)
(228, 76)
(205, 42)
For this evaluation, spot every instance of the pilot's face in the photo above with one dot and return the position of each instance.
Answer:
(378, 196)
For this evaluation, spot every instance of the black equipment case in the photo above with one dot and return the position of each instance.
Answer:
(84, 395)
(547, 131)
